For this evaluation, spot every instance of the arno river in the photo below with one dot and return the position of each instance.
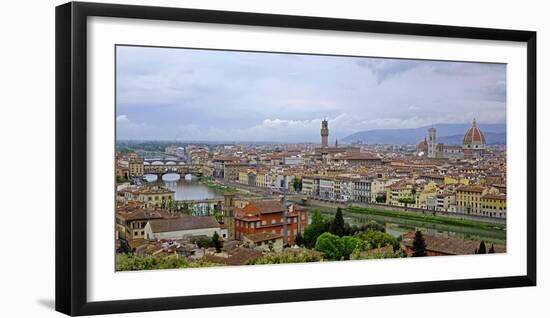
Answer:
(186, 189)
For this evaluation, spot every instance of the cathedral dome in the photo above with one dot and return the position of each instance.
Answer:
(474, 136)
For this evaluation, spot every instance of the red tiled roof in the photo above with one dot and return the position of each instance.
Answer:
(260, 237)
(263, 207)
(185, 222)
(449, 245)
(470, 189)
(474, 135)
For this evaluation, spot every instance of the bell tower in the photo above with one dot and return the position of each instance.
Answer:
(431, 143)
(324, 133)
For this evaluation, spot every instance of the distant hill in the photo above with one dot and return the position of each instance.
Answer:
(445, 133)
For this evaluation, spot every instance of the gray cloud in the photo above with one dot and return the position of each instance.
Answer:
(220, 95)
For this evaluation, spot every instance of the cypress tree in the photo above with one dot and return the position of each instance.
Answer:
(298, 240)
(337, 227)
(216, 242)
(419, 245)
(482, 249)
(492, 249)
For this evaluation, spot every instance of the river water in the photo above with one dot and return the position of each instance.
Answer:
(187, 189)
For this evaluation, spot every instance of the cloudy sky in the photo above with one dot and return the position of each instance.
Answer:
(188, 94)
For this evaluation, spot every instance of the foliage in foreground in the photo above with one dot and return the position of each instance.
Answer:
(321, 224)
(377, 239)
(132, 262)
(300, 256)
(335, 247)
(358, 254)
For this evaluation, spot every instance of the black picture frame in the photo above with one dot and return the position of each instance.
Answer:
(71, 157)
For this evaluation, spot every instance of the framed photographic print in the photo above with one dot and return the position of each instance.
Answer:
(213, 158)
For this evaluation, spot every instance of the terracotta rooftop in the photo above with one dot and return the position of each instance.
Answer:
(186, 222)
(448, 245)
(263, 207)
(494, 196)
(239, 256)
(470, 189)
(140, 214)
(362, 157)
(261, 237)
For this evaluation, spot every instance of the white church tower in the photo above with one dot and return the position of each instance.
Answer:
(431, 143)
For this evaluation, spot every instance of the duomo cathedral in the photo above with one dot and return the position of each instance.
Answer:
(473, 145)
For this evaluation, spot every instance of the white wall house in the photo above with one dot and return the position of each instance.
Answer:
(185, 226)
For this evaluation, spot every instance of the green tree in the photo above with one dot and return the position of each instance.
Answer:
(288, 256)
(298, 240)
(297, 183)
(349, 244)
(218, 215)
(318, 226)
(120, 179)
(381, 198)
(377, 239)
(419, 245)
(492, 249)
(132, 262)
(217, 242)
(482, 249)
(330, 245)
(202, 241)
(407, 201)
(337, 226)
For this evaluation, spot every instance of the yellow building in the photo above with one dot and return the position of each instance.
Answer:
(156, 196)
(135, 167)
(493, 205)
(243, 176)
(260, 179)
(451, 180)
(401, 195)
(131, 221)
(469, 199)
(428, 192)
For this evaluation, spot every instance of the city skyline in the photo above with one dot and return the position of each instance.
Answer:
(202, 95)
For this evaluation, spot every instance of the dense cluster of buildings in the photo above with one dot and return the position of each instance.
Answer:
(146, 216)
(468, 178)
(464, 179)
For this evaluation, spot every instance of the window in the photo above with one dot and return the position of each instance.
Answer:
(272, 231)
(283, 232)
(264, 222)
(273, 221)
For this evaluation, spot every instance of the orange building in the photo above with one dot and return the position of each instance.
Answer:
(270, 217)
